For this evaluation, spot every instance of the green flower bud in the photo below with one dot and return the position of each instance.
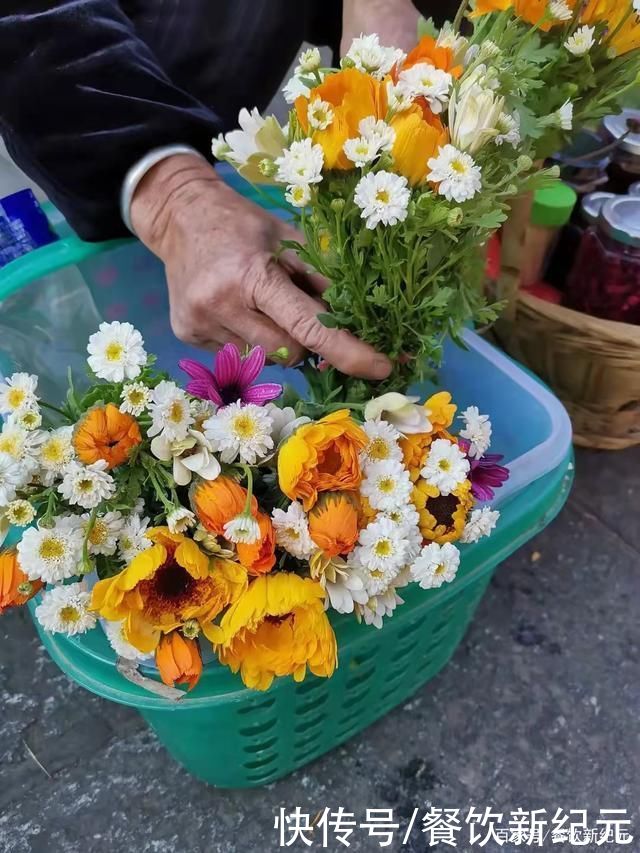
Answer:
(337, 205)
(424, 200)
(191, 629)
(455, 217)
(25, 588)
(267, 167)
(512, 189)
(524, 163)
(554, 172)
(347, 62)
(281, 354)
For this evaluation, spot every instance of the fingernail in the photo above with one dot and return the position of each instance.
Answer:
(381, 367)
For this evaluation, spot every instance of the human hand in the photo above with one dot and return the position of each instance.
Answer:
(395, 21)
(224, 282)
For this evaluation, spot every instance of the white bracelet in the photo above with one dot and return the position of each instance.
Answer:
(137, 172)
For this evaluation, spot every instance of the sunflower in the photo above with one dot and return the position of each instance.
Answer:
(278, 626)
(169, 584)
(442, 517)
(106, 433)
(15, 587)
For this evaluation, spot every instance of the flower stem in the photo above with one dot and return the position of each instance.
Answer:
(86, 565)
(457, 21)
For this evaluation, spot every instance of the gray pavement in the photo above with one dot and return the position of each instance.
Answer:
(537, 710)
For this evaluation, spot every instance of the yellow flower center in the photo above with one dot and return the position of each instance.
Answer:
(51, 549)
(69, 614)
(20, 514)
(99, 533)
(85, 486)
(114, 351)
(292, 533)
(53, 451)
(383, 548)
(15, 398)
(244, 426)
(444, 465)
(376, 573)
(10, 444)
(126, 542)
(325, 242)
(440, 570)
(30, 419)
(382, 196)
(298, 193)
(176, 412)
(136, 397)
(386, 485)
(458, 166)
(379, 450)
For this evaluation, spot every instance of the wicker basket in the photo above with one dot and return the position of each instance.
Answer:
(593, 365)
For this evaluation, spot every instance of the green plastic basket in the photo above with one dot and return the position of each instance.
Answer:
(232, 737)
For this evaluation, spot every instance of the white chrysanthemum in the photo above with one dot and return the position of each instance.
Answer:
(55, 454)
(473, 119)
(170, 412)
(294, 89)
(405, 517)
(51, 553)
(398, 98)
(477, 431)
(285, 422)
(27, 419)
(361, 151)
(240, 432)
(379, 554)
(20, 513)
(480, 523)
(116, 352)
(103, 538)
(319, 114)
(132, 540)
(180, 520)
(135, 398)
(446, 466)
(308, 61)
(581, 42)
(560, 10)
(436, 565)
(18, 393)
(378, 132)
(427, 81)
(191, 455)
(564, 116)
(243, 528)
(383, 198)
(242, 143)
(367, 54)
(378, 606)
(383, 442)
(508, 130)
(386, 485)
(298, 195)
(119, 643)
(23, 446)
(345, 591)
(456, 172)
(65, 610)
(219, 147)
(12, 477)
(451, 39)
(292, 531)
(301, 163)
(87, 485)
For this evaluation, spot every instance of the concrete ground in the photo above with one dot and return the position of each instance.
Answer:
(537, 710)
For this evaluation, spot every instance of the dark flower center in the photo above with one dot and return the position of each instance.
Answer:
(231, 394)
(442, 508)
(171, 582)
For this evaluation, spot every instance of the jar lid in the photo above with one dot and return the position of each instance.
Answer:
(617, 126)
(620, 219)
(592, 204)
(634, 189)
(553, 206)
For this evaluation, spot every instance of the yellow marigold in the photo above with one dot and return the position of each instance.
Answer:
(321, 457)
(414, 452)
(419, 135)
(441, 411)
(277, 627)
(165, 586)
(626, 36)
(442, 517)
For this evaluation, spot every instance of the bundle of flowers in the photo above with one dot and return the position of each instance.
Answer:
(576, 57)
(216, 518)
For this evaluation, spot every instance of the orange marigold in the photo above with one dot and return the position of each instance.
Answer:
(259, 557)
(179, 660)
(419, 135)
(15, 587)
(218, 501)
(427, 50)
(106, 433)
(333, 523)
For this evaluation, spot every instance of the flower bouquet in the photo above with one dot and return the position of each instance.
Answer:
(185, 525)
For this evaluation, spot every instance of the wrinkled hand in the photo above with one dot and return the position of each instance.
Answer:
(395, 21)
(224, 283)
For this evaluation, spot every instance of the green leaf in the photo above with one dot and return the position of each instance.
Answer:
(328, 321)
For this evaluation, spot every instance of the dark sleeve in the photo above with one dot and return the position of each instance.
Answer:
(81, 99)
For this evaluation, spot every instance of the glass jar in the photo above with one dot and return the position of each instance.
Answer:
(605, 280)
(625, 163)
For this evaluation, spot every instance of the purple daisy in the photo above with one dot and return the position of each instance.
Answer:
(486, 473)
(231, 379)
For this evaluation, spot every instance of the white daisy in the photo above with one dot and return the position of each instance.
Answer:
(378, 132)
(581, 41)
(379, 554)
(480, 523)
(508, 127)
(243, 528)
(301, 163)
(116, 352)
(132, 540)
(383, 198)
(383, 442)
(18, 393)
(564, 116)
(378, 606)
(294, 89)
(190, 455)
(298, 195)
(65, 610)
(87, 485)
(219, 147)
(23, 446)
(242, 432)
(429, 82)
(405, 517)
(27, 419)
(292, 531)
(55, 453)
(560, 10)
(398, 98)
(308, 61)
(361, 151)
(319, 114)
(12, 477)
(119, 643)
(170, 412)
(456, 172)
(446, 466)
(51, 553)
(105, 531)
(477, 431)
(367, 54)
(180, 520)
(386, 485)
(345, 591)
(135, 398)
(20, 513)
(436, 565)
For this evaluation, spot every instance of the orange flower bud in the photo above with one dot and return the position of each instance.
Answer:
(15, 587)
(333, 523)
(179, 660)
(106, 433)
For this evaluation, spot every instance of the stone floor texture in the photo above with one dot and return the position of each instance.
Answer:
(538, 709)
